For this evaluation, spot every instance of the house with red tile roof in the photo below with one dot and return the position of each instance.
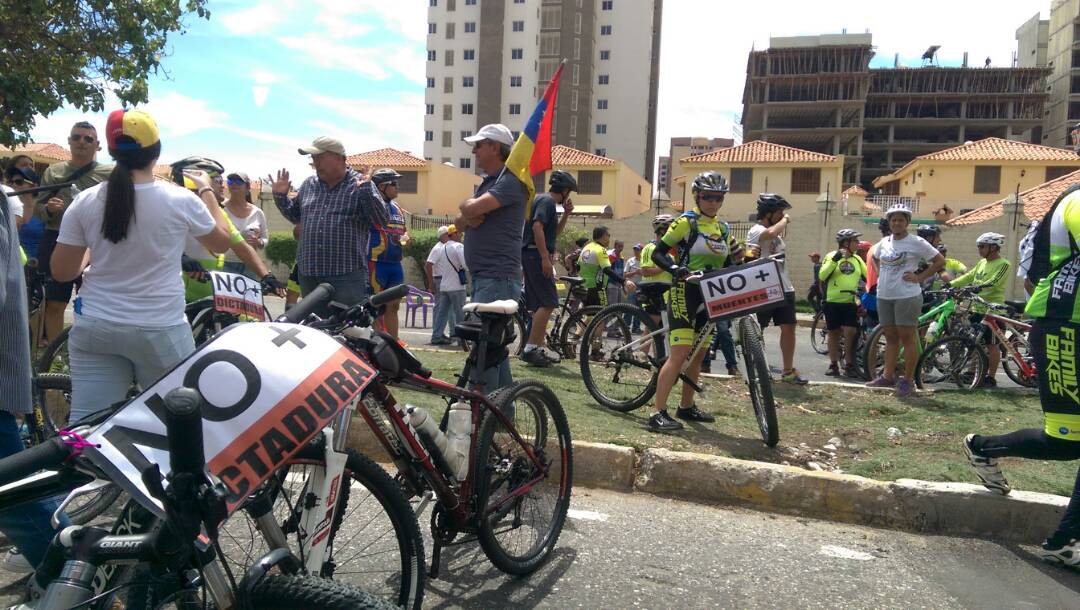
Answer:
(1035, 201)
(801, 176)
(607, 188)
(426, 187)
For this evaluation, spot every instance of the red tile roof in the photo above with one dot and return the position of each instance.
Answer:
(564, 155)
(759, 151)
(385, 157)
(988, 149)
(1037, 201)
(855, 190)
(47, 150)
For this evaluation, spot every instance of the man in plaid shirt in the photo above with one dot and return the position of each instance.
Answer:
(336, 209)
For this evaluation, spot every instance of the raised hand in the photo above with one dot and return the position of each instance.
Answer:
(281, 185)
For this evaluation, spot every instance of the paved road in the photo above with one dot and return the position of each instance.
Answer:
(635, 550)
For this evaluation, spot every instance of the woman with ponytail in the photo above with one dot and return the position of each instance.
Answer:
(125, 237)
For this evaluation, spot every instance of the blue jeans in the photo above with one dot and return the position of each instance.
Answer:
(448, 313)
(349, 288)
(723, 340)
(26, 525)
(486, 290)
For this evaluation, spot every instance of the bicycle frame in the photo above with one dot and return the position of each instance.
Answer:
(995, 322)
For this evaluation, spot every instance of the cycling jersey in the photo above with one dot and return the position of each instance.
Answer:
(385, 241)
(646, 261)
(992, 275)
(1055, 265)
(194, 289)
(712, 244)
(591, 264)
(841, 278)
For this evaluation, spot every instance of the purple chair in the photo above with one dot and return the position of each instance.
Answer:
(418, 299)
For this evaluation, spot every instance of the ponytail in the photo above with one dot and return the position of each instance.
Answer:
(120, 190)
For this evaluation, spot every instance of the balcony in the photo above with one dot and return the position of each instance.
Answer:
(881, 203)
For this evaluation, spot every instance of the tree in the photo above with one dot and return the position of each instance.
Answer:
(56, 52)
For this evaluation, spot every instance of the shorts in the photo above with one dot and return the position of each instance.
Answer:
(596, 297)
(899, 312)
(294, 279)
(686, 314)
(540, 292)
(985, 335)
(54, 290)
(652, 299)
(1053, 343)
(384, 275)
(838, 315)
(781, 315)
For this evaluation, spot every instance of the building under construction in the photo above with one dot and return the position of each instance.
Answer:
(819, 93)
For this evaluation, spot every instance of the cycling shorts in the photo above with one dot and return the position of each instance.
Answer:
(652, 299)
(686, 314)
(384, 275)
(838, 315)
(1054, 345)
(596, 297)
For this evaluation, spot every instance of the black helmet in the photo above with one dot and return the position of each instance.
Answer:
(943, 249)
(928, 232)
(883, 226)
(771, 202)
(562, 181)
(845, 234)
(203, 163)
(710, 182)
(384, 175)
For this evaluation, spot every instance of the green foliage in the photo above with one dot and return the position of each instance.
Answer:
(564, 243)
(60, 52)
(281, 248)
(421, 241)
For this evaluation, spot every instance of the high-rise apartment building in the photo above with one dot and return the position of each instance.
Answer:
(488, 61)
(1032, 40)
(681, 148)
(1063, 105)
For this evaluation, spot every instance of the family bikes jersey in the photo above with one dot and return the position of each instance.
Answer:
(385, 242)
(841, 278)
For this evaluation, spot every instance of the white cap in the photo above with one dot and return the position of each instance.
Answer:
(898, 208)
(444, 230)
(496, 132)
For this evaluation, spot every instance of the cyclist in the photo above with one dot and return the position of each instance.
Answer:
(840, 274)
(953, 268)
(386, 247)
(992, 273)
(655, 282)
(1055, 271)
(570, 261)
(763, 239)
(702, 243)
(596, 269)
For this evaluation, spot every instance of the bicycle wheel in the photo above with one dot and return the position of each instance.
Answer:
(1019, 342)
(379, 549)
(55, 358)
(819, 336)
(954, 359)
(281, 592)
(874, 354)
(572, 330)
(517, 346)
(619, 377)
(522, 508)
(759, 380)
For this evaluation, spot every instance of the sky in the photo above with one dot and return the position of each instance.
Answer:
(261, 78)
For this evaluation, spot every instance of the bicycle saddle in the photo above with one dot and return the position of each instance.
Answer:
(505, 307)
(1017, 305)
(572, 280)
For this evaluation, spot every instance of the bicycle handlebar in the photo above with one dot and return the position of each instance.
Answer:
(390, 294)
(315, 299)
(48, 454)
(183, 428)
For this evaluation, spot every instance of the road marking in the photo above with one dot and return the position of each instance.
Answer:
(842, 553)
(587, 515)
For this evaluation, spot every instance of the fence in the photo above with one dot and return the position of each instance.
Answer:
(427, 222)
(882, 203)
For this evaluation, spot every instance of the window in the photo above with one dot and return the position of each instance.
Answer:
(550, 43)
(515, 108)
(577, 49)
(446, 141)
(806, 180)
(465, 162)
(577, 23)
(519, 26)
(466, 109)
(407, 182)
(466, 81)
(988, 179)
(470, 27)
(1053, 173)
(590, 182)
(468, 54)
(515, 81)
(606, 5)
(519, 1)
(602, 152)
(448, 84)
(601, 104)
(573, 100)
(450, 31)
(601, 128)
(517, 53)
(449, 57)
(447, 112)
(430, 109)
(551, 17)
(451, 5)
(576, 75)
(605, 55)
(573, 125)
(429, 136)
(465, 133)
(470, 2)
(431, 55)
(431, 28)
(603, 80)
(605, 30)
(433, 3)
(742, 179)
(431, 82)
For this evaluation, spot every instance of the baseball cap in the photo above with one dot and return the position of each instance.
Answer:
(444, 230)
(637, 246)
(496, 132)
(241, 175)
(23, 172)
(323, 144)
(131, 130)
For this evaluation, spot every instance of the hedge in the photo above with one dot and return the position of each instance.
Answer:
(281, 248)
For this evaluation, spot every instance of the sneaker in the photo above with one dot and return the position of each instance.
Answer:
(552, 356)
(904, 387)
(733, 371)
(1061, 548)
(988, 382)
(881, 382)
(15, 562)
(535, 357)
(833, 370)
(662, 422)
(693, 413)
(794, 377)
(987, 470)
(441, 341)
(852, 371)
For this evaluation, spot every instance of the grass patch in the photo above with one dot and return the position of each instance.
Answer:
(928, 447)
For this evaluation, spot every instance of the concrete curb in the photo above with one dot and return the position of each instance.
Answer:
(862, 386)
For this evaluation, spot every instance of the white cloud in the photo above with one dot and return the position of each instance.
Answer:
(257, 19)
(365, 61)
(260, 92)
(179, 115)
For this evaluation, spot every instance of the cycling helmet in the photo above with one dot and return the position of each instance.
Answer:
(929, 232)
(771, 202)
(203, 163)
(710, 182)
(845, 234)
(562, 181)
(662, 222)
(991, 239)
(943, 249)
(898, 209)
(384, 175)
(883, 226)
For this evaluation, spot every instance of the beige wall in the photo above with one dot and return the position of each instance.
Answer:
(622, 188)
(767, 179)
(954, 183)
(440, 189)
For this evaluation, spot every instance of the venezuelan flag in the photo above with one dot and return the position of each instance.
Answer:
(531, 153)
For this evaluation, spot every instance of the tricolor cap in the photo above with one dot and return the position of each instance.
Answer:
(496, 132)
(131, 130)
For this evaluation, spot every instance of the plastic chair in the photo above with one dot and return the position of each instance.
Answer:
(418, 300)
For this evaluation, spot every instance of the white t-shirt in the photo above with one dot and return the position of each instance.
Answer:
(254, 224)
(13, 201)
(1027, 250)
(440, 258)
(137, 281)
(897, 257)
(771, 247)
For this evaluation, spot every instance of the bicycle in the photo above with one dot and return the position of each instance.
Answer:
(174, 558)
(819, 337)
(621, 376)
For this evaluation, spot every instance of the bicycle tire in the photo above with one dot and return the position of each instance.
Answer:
(494, 469)
(819, 336)
(575, 323)
(759, 380)
(56, 350)
(292, 592)
(874, 355)
(400, 536)
(953, 347)
(639, 387)
(1020, 341)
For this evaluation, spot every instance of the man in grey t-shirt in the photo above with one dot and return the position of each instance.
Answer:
(492, 221)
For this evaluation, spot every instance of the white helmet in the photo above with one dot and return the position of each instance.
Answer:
(898, 208)
(991, 239)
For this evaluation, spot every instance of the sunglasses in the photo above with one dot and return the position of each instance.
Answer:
(712, 197)
(87, 139)
(393, 183)
(20, 182)
(236, 182)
